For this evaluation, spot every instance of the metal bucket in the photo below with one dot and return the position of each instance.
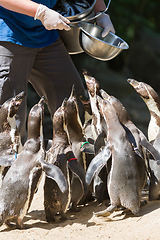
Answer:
(71, 38)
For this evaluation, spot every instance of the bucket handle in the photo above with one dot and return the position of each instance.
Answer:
(97, 15)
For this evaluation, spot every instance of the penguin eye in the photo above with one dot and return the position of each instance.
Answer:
(142, 91)
(145, 97)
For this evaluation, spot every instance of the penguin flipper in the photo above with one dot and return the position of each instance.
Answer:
(100, 142)
(56, 174)
(78, 170)
(132, 141)
(7, 160)
(87, 148)
(97, 163)
(151, 149)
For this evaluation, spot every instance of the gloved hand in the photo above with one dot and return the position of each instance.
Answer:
(51, 19)
(104, 21)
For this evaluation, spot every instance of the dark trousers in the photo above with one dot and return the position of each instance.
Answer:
(49, 69)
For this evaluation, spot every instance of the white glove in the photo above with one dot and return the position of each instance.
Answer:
(51, 19)
(104, 21)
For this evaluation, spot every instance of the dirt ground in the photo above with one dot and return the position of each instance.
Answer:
(83, 225)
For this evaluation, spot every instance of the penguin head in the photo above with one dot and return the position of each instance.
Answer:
(73, 124)
(59, 122)
(145, 91)
(14, 104)
(71, 106)
(140, 88)
(93, 85)
(104, 94)
(86, 104)
(35, 120)
(106, 108)
(9, 109)
(120, 109)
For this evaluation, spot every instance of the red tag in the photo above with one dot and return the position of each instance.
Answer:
(71, 159)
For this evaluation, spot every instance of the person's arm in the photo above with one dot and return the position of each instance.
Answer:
(99, 6)
(26, 7)
(49, 18)
(103, 20)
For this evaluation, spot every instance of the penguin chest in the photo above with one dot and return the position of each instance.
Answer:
(123, 174)
(34, 179)
(153, 129)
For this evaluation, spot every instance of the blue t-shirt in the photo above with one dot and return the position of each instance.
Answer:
(24, 30)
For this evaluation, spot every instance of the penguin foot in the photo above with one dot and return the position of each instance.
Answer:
(63, 217)
(9, 224)
(142, 203)
(19, 224)
(74, 208)
(122, 208)
(105, 213)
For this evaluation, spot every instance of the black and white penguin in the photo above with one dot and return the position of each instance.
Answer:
(77, 139)
(10, 139)
(152, 100)
(124, 185)
(137, 138)
(98, 127)
(61, 155)
(21, 180)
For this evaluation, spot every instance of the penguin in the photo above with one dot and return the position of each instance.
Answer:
(152, 100)
(22, 179)
(140, 143)
(61, 155)
(77, 139)
(10, 139)
(124, 184)
(98, 125)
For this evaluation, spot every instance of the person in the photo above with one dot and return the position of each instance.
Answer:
(31, 51)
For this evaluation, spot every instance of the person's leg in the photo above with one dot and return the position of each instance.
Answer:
(15, 66)
(53, 75)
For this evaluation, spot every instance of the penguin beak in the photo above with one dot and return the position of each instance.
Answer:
(64, 103)
(19, 98)
(85, 72)
(42, 101)
(132, 82)
(88, 79)
(73, 94)
(104, 94)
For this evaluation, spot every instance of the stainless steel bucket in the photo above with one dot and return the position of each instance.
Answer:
(71, 38)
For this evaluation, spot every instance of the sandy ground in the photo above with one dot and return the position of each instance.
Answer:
(83, 225)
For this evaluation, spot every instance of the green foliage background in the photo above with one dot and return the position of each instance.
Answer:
(130, 16)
